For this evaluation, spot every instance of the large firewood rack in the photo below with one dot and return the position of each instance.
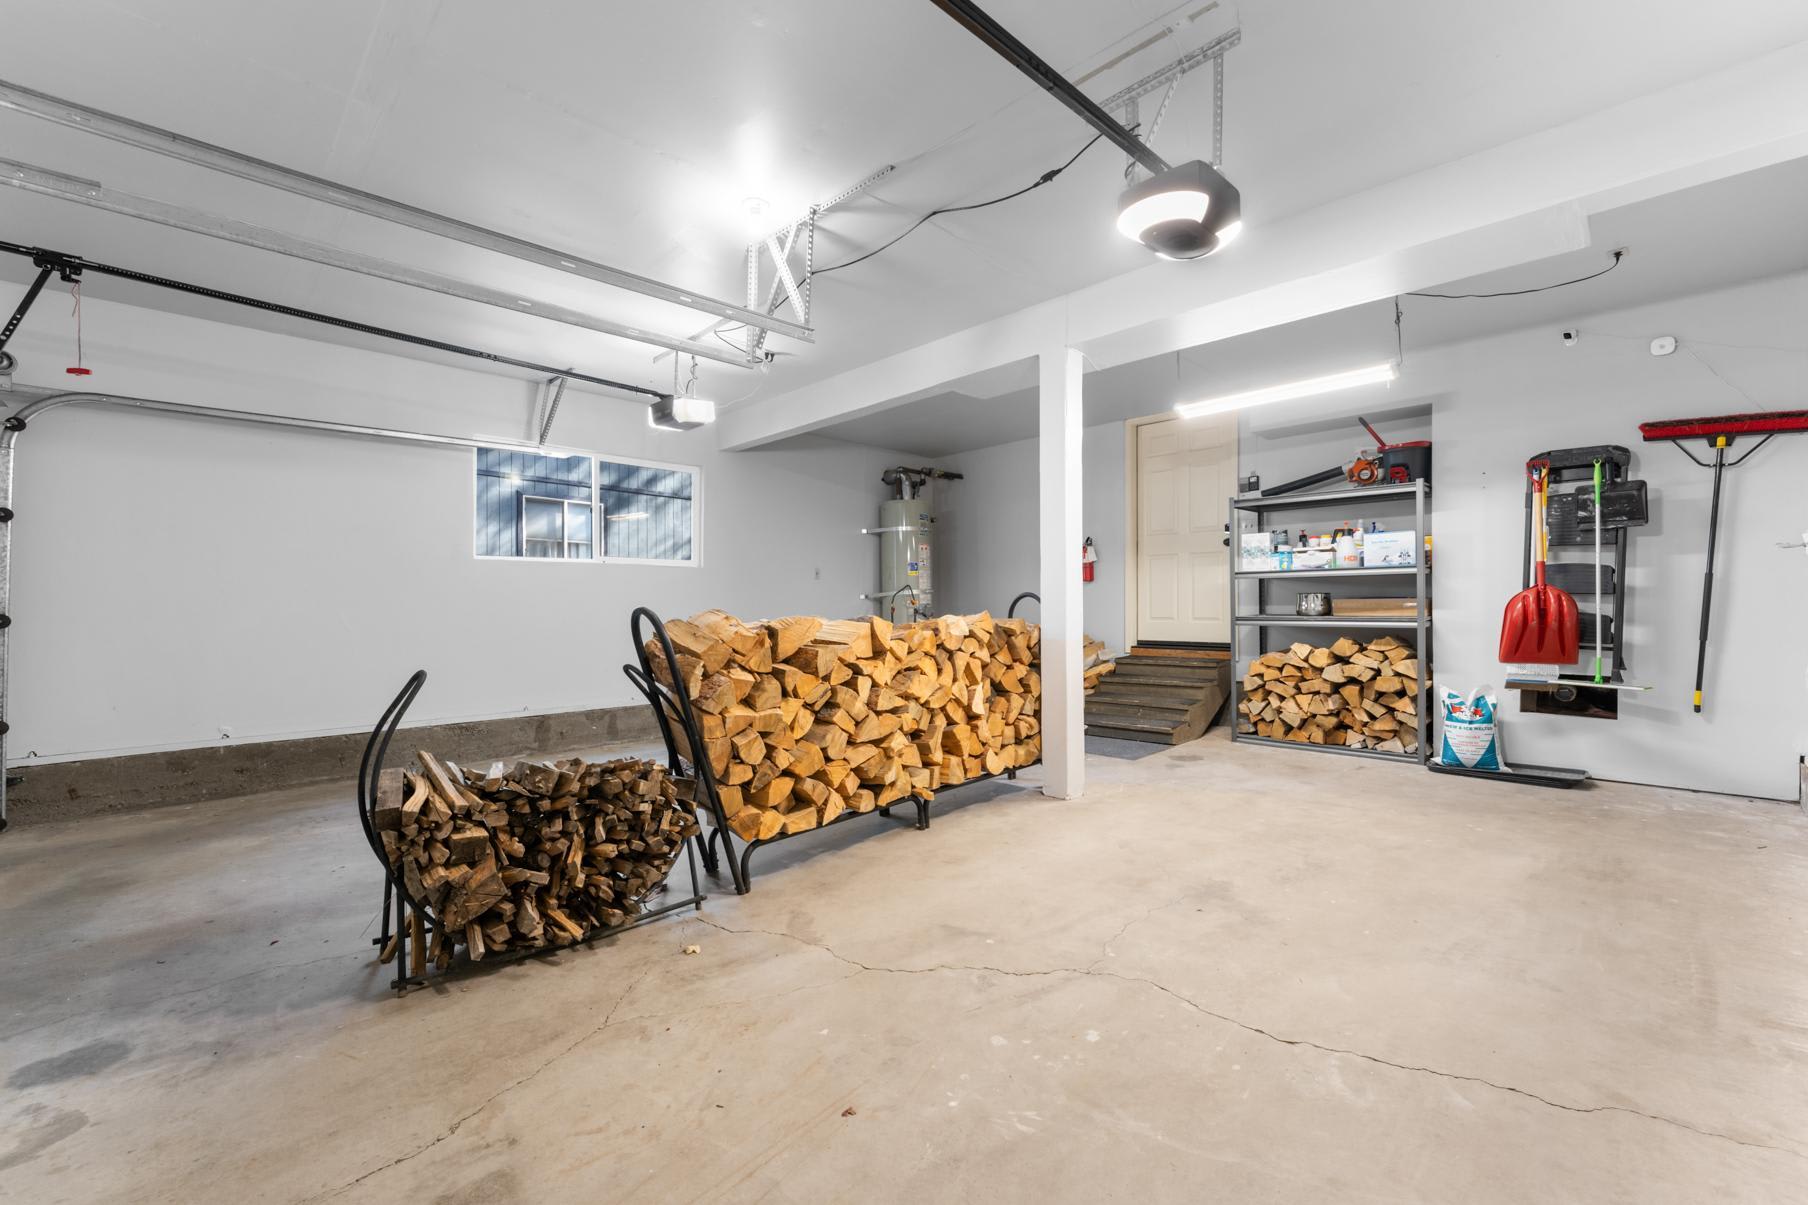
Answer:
(677, 718)
(414, 924)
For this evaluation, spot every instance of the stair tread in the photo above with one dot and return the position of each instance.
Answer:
(1146, 723)
(1161, 679)
(1155, 702)
(1174, 718)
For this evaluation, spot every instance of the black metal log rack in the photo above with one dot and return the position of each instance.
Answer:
(413, 922)
(677, 717)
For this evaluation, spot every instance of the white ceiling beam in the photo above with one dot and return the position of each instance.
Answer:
(75, 116)
(95, 195)
(1522, 201)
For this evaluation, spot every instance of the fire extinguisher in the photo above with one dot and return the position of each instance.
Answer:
(1089, 557)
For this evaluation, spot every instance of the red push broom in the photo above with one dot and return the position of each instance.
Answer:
(1720, 433)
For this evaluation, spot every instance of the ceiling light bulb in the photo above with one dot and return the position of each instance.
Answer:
(681, 413)
(1185, 212)
(1374, 375)
(1181, 205)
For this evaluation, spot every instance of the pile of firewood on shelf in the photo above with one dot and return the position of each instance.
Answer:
(1363, 696)
(803, 719)
(529, 855)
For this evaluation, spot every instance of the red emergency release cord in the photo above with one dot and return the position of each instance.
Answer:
(75, 291)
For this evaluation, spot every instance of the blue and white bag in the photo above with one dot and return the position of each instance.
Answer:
(1471, 737)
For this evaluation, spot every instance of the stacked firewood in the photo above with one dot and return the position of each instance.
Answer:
(1364, 696)
(534, 854)
(803, 719)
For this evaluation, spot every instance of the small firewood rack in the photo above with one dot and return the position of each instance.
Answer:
(676, 716)
(414, 924)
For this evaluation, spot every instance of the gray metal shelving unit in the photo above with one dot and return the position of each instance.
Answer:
(1258, 620)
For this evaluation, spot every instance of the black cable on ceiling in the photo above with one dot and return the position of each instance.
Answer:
(1562, 284)
(1047, 177)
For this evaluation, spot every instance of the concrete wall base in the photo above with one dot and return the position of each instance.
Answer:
(77, 789)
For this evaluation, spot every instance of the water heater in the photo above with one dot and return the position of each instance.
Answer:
(906, 534)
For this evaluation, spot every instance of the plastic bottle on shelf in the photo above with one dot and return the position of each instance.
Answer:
(1345, 556)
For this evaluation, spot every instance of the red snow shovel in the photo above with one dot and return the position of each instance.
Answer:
(1540, 626)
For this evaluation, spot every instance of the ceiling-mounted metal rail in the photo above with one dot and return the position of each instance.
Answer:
(1190, 61)
(202, 154)
(95, 195)
(37, 401)
(1059, 86)
(73, 266)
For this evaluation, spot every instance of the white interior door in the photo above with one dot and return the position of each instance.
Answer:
(1185, 471)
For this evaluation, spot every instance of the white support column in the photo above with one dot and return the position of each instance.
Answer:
(1058, 457)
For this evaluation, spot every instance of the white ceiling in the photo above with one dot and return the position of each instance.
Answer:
(630, 132)
(1737, 229)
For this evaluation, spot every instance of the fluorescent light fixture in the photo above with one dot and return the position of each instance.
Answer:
(1377, 374)
(681, 413)
(630, 517)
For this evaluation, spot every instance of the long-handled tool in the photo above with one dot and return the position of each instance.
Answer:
(1540, 625)
(1720, 433)
(1600, 615)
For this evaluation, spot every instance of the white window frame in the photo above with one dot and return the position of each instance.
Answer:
(598, 533)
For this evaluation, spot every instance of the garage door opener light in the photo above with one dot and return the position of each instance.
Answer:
(1378, 374)
(681, 413)
(1185, 212)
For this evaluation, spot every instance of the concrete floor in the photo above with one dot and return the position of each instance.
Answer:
(1228, 973)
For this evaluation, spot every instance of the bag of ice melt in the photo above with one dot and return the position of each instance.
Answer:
(1470, 736)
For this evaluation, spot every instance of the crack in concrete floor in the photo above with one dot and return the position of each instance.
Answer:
(611, 1020)
(1256, 1029)
(487, 1101)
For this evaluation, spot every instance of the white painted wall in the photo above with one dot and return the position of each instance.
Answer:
(172, 577)
(985, 565)
(1493, 402)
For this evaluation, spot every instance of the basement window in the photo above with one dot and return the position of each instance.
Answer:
(553, 506)
(648, 511)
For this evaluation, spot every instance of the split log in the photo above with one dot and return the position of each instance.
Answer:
(1347, 693)
(540, 853)
(807, 715)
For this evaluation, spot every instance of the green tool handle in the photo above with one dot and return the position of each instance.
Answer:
(1598, 612)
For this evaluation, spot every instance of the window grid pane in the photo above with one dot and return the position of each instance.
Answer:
(504, 476)
(648, 512)
(588, 508)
